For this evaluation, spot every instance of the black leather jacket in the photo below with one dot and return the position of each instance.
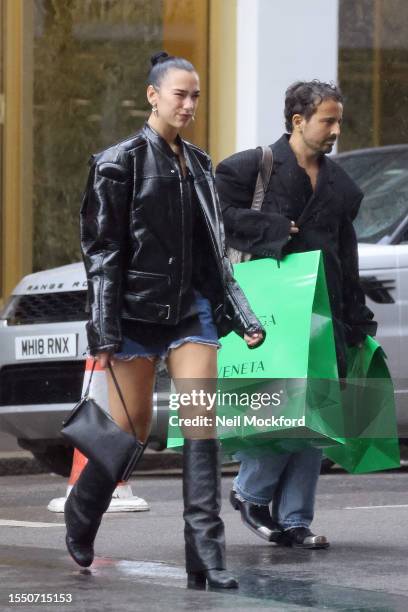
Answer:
(133, 241)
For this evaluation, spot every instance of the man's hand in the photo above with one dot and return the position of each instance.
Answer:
(294, 229)
(254, 339)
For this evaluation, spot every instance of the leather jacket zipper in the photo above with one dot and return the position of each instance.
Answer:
(183, 238)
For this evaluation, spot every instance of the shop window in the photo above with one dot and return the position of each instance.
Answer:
(373, 72)
(90, 64)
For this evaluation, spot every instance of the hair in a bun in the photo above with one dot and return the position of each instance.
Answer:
(161, 62)
(158, 57)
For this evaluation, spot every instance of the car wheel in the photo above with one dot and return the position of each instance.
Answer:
(327, 465)
(57, 459)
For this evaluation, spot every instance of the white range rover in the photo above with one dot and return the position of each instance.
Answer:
(42, 327)
(42, 361)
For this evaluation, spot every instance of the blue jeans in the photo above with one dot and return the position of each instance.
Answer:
(155, 341)
(287, 480)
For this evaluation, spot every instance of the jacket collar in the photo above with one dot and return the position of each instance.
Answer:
(191, 161)
(159, 141)
(291, 176)
(283, 154)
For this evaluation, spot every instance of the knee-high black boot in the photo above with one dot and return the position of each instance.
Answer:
(88, 500)
(203, 527)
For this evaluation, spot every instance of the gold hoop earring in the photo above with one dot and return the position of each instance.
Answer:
(155, 111)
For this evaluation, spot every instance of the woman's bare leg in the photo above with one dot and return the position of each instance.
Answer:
(91, 495)
(193, 368)
(136, 381)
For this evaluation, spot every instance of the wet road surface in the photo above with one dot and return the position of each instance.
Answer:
(139, 563)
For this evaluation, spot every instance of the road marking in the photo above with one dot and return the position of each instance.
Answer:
(7, 523)
(151, 569)
(374, 507)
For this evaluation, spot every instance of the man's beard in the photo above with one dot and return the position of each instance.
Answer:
(328, 146)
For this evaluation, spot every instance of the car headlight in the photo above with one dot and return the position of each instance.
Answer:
(9, 310)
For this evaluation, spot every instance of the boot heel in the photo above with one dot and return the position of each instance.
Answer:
(216, 579)
(196, 580)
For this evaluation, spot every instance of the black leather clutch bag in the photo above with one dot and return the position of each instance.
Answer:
(90, 429)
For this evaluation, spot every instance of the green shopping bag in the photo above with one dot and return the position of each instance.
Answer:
(295, 365)
(371, 442)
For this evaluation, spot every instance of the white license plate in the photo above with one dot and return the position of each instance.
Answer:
(50, 346)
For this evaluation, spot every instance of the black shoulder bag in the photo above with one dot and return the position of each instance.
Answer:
(90, 429)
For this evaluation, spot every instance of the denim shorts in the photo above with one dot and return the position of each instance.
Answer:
(155, 341)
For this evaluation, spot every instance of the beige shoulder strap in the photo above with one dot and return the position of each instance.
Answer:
(263, 178)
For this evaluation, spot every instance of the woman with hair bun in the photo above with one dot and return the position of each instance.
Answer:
(160, 287)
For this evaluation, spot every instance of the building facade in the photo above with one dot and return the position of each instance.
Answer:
(72, 81)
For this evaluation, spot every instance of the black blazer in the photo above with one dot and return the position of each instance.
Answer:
(325, 220)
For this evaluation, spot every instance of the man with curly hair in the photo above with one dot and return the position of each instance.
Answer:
(310, 204)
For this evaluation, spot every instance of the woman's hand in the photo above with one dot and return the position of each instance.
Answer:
(104, 357)
(253, 339)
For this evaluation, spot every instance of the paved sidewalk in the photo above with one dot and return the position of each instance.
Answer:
(22, 462)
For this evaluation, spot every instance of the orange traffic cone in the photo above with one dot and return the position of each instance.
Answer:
(123, 499)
